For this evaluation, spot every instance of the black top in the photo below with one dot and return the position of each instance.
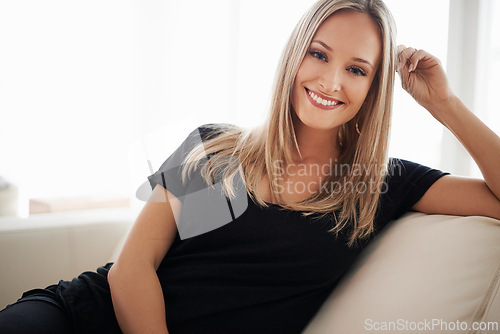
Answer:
(257, 270)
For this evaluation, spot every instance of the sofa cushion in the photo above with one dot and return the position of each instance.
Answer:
(424, 273)
(45, 248)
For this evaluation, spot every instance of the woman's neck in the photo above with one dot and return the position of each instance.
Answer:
(316, 145)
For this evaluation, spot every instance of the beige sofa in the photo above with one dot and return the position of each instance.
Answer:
(46, 248)
(423, 274)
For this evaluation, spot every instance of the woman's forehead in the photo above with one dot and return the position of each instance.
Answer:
(352, 33)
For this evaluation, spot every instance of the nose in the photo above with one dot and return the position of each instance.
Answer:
(331, 80)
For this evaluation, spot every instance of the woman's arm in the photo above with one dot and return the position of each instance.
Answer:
(135, 289)
(423, 77)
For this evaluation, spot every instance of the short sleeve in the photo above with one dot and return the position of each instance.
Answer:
(405, 184)
(169, 175)
(204, 207)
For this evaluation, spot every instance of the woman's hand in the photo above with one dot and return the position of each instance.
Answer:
(423, 77)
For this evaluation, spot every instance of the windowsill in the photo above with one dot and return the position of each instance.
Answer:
(47, 205)
(118, 215)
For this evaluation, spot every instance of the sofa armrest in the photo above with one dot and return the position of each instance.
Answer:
(45, 248)
(439, 272)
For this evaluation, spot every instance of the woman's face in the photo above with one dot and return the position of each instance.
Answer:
(337, 71)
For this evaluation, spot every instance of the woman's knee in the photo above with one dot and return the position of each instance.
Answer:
(34, 316)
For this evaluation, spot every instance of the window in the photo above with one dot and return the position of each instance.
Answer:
(487, 68)
(94, 94)
(67, 96)
(415, 134)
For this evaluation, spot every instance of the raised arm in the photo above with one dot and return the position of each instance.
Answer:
(423, 77)
(135, 289)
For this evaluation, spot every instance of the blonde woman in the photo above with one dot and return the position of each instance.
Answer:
(305, 192)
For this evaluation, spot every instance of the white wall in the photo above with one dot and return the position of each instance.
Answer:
(89, 91)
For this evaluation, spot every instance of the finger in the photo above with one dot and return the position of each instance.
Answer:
(415, 59)
(406, 54)
(404, 77)
(404, 57)
(399, 49)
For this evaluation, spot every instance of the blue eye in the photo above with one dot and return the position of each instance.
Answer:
(357, 71)
(318, 55)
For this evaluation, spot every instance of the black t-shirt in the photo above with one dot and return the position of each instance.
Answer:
(259, 270)
(256, 270)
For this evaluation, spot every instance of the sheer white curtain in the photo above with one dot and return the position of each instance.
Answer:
(415, 135)
(66, 95)
(473, 61)
(89, 91)
(487, 67)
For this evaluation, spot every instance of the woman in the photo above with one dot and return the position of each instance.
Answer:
(271, 267)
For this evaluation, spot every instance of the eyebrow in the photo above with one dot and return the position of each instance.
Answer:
(360, 60)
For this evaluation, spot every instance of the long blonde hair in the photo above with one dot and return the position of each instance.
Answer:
(266, 149)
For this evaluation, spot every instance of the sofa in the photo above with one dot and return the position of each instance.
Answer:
(45, 248)
(422, 274)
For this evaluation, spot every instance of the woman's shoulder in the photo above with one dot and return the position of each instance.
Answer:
(401, 169)
(405, 184)
(211, 130)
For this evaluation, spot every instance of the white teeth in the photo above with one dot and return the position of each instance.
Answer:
(322, 101)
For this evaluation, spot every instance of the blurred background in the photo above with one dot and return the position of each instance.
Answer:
(92, 90)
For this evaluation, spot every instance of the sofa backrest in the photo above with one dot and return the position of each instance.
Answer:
(441, 273)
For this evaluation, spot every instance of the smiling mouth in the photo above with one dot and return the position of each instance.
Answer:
(323, 103)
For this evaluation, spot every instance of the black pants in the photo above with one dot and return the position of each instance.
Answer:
(34, 316)
(82, 305)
